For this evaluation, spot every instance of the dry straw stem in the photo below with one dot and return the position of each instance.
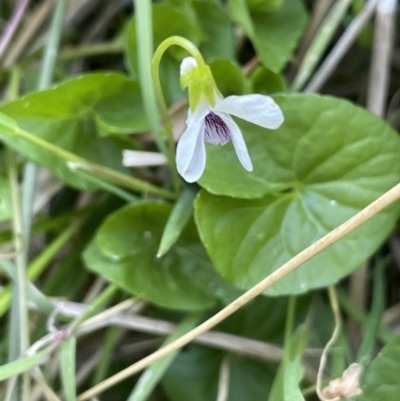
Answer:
(336, 311)
(381, 56)
(350, 225)
(36, 21)
(223, 384)
(132, 321)
(341, 47)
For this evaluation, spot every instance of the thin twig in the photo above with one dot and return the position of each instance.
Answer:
(45, 388)
(336, 312)
(106, 315)
(332, 237)
(319, 11)
(320, 42)
(223, 383)
(358, 294)
(132, 321)
(381, 56)
(13, 25)
(341, 47)
(28, 32)
(94, 290)
(19, 314)
(46, 77)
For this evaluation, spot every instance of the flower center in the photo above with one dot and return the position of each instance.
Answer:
(216, 131)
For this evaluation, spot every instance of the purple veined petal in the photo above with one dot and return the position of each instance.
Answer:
(238, 141)
(215, 130)
(191, 152)
(257, 109)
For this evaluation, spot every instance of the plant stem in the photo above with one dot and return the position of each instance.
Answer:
(144, 37)
(19, 315)
(385, 23)
(325, 242)
(371, 328)
(155, 67)
(46, 76)
(10, 128)
(100, 300)
(90, 50)
(19, 323)
(13, 25)
(336, 313)
(320, 43)
(341, 47)
(37, 266)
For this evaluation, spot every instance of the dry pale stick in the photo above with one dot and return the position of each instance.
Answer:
(381, 56)
(223, 384)
(376, 102)
(144, 324)
(341, 47)
(350, 225)
(336, 311)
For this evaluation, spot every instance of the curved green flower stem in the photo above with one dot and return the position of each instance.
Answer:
(155, 66)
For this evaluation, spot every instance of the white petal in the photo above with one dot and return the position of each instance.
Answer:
(238, 142)
(202, 109)
(257, 109)
(187, 65)
(191, 152)
(134, 158)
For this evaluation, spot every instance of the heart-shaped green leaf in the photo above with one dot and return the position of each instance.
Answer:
(228, 77)
(381, 380)
(122, 113)
(326, 172)
(273, 34)
(124, 252)
(217, 31)
(325, 143)
(65, 115)
(265, 81)
(194, 374)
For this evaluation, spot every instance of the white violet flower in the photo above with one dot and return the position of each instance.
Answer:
(209, 120)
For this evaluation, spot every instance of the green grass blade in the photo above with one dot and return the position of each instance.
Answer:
(378, 306)
(177, 220)
(67, 359)
(34, 294)
(151, 376)
(110, 341)
(144, 27)
(22, 365)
